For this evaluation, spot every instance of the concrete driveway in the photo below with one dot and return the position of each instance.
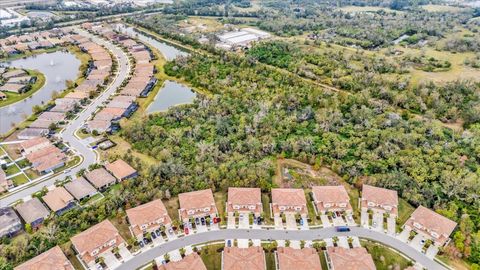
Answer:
(291, 221)
(278, 223)
(418, 242)
(125, 253)
(350, 220)
(244, 221)
(404, 235)
(432, 251)
(339, 221)
(325, 221)
(377, 222)
(343, 242)
(364, 219)
(391, 226)
(231, 221)
(110, 260)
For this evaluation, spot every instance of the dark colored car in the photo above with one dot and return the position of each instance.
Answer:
(342, 229)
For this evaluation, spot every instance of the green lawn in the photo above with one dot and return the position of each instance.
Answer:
(323, 259)
(32, 174)
(69, 164)
(19, 179)
(212, 256)
(384, 257)
(266, 208)
(311, 209)
(12, 169)
(404, 211)
(23, 163)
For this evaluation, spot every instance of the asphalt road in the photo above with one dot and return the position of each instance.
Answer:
(89, 156)
(312, 234)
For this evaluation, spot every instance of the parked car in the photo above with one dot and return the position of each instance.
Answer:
(197, 221)
(170, 230)
(158, 232)
(342, 229)
(141, 244)
(333, 215)
(186, 231)
(154, 236)
(202, 220)
(301, 221)
(229, 243)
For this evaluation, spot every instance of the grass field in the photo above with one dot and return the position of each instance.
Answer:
(355, 9)
(12, 169)
(212, 257)
(19, 180)
(270, 260)
(385, 258)
(443, 8)
(404, 211)
(14, 97)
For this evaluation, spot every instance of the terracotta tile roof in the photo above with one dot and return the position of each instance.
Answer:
(333, 195)
(4, 183)
(432, 222)
(57, 199)
(298, 259)
(80, 188)
(49, 161)
(100, 177)
(381, 196)
(245, 197)
(41, 123)
(32, 210)
(350, 259)
(120, 169)
(34, 142)
(53, 116)
(109, 113)
(77, 95)
(53, 259)
(42, 152)
(95, 237)
(99, 125)
(196, 199)
(148, 213)
(252, 258)
(12, 87)
(189, 262)
(288, 196)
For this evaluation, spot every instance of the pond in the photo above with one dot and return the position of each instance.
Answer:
(171, 94)
(168, 51)
(58, 67)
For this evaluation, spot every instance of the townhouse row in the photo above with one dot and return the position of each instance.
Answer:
(140, 82)
(59, 199)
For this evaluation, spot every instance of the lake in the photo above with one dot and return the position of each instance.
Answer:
(171, 94)
(58, 67)
(168, 51)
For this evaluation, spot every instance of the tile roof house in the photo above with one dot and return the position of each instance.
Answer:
(110, 114)
(59, 200)
(5, 184)
(100, 178)
(251, 258)
(121, 170)
(50, 259)
(52, 116)
(77, 95)
(80, 188)
(98, 239)
(198, 203)
(431, 224)
(40, 123)
(99, 126)
(244, 199)
(30, 133)
(298, 259)
(33, 212)
(12, 87)
(189, 262)
(349, 258)
(49, 162)
(331, 198)
(379, 199)
(147, 218)
(10, 223)
(290, 200)
(14, 73)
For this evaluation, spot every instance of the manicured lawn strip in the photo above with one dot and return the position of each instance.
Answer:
(270, 260)
(220, 199)
(32, 174)
(12, 169)
(19, 179)
(384, 257)
(266, 208)
(404, 211)
(23, 163)
(69, 164)
(212, 256)
(14, 97)
(92, 199)
(323, 259)
(311, 210)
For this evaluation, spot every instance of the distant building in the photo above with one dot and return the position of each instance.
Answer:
(349, 258)
(59, 200)
(148, 218)
(97, 240)
(121, 170)
(51, 259)
(197, 204)
(251, 258)
(331, 198)
(13, 88)
(288, 200)
(431, 225)
(189, 262)
(100, 178)
(244, 200)
(10, 223)
(298, 259)
(80, 189)
(30, 133)
(241, 39)
(33, 212)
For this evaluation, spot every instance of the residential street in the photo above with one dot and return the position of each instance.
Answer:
(89, 156)
(312, 234)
